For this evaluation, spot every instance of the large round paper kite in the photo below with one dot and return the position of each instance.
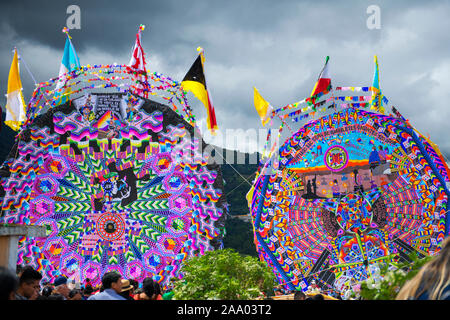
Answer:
(347, 193)
(119, 181)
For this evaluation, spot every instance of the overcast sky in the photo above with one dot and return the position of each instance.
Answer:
(277, 46)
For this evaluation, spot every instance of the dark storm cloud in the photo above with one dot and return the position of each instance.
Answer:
(277, 46)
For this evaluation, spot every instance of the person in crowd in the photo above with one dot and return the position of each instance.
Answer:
(19, 269)
(347, 293)
(87, 282)
(56, 297)
(278, 292)
(382, 154)
(75, 294)
(135, 285)
(432, 282)
(317, 297)
(61, 287)
(157, 295)
(112, 286)
(29, 286)
(313, 288)
(343, 291)
(8, 284)
(47, 284)
(47, 291)
(299, 295)
(127, 290)
(148, 288)
(281, 289)
(87, 292)
(137, 292)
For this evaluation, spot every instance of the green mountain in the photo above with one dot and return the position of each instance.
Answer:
(7, 138)
(238, 171)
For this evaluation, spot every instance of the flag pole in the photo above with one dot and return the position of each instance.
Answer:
(26, 67)
(31, 75)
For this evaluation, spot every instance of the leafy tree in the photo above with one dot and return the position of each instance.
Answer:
(392, 280)
(223, 275)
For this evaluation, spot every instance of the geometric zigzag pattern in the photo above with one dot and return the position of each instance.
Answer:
(304, 236)
(123, 204)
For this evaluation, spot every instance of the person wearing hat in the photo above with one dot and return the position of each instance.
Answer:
(313, 288)
(61, 287)
(127, 289)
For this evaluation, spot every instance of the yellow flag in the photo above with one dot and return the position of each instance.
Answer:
(249, 196)
(15, 105)
(262, 107)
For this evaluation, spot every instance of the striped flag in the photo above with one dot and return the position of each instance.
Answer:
(137, 66)
(195, 81)
(323, 83)
(69, 62)
(15, 105)
(377, 98)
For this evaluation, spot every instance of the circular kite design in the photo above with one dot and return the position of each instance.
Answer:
(378, 193)
(336, 158)
(118, 182)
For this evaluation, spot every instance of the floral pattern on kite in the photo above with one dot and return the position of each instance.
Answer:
(346, 193)
(116, 190)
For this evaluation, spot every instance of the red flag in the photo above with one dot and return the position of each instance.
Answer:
(137, 64)
(324, 81)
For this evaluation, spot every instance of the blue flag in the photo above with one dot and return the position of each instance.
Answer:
(70, 62)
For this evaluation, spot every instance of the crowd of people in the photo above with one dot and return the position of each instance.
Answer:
(432, 282)
(27, 284)
(314, 292)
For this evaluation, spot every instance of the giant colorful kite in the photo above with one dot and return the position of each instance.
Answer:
(347, 192)
(118, 180)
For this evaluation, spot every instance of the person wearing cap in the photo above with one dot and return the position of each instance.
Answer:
(127, 289)
(313, 288)
(112, 284)
(61, 287)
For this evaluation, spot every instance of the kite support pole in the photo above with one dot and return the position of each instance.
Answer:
(9, 239)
